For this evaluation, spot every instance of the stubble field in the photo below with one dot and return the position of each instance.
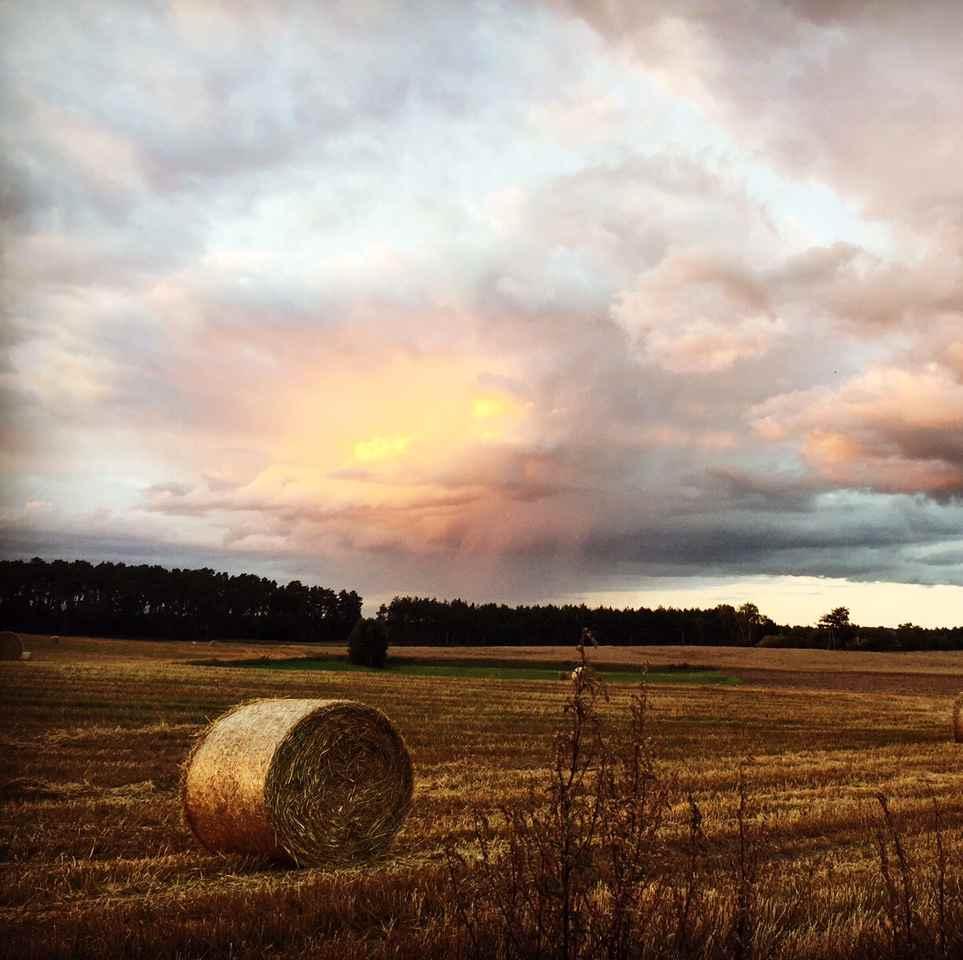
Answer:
(95, 860)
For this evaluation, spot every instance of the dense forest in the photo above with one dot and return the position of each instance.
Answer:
(420, 620)
(116, 600)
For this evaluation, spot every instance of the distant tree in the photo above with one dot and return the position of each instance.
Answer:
(837, 625)
(749, 619)
(727, 624)
(368, 643)
(911, 636)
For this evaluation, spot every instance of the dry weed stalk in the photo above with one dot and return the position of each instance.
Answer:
(745, 870)
(578, 873)
(922, 906)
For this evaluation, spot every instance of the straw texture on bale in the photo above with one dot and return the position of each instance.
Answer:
(313, 782)
(11, 647)
(958, 719)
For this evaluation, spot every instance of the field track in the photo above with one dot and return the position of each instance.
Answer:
(95, 860)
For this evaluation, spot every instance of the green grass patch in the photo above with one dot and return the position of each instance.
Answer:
(477, 671)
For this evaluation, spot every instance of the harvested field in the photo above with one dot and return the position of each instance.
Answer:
(97, 861)
(464, 669)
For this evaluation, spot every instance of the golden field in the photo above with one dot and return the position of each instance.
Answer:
(96, 861)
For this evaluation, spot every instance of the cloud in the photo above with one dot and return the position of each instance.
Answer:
(693, 315)
(520, 297)
(888, 429)
(578, 239)
(827, 90)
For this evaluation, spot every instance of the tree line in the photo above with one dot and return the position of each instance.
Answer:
(117, 600)
(422, 620)
(426, 621)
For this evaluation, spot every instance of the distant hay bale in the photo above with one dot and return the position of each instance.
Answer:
(583, 673)
(11, 646)
(313, 782)
(55, 641)
(26, 655)
(958, 719)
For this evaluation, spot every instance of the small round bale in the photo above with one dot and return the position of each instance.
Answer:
(958, 719)
(11, 647)
(313, 782)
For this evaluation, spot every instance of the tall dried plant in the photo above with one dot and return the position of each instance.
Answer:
(574, 871)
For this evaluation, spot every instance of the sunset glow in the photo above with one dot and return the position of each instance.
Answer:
(380, 448)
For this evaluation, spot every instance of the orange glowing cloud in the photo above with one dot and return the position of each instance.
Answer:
(890, 429)
(498, 413)
(412, 411)
(395, 448)
(380, 448)
(489, 406)
(830, 450)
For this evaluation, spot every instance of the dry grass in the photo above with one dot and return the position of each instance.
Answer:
(96, 860)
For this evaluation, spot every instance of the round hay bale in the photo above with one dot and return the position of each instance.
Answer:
(11, 646)
(313, 782)
(958, 719)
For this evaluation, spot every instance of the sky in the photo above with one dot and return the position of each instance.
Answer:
(623, 303)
